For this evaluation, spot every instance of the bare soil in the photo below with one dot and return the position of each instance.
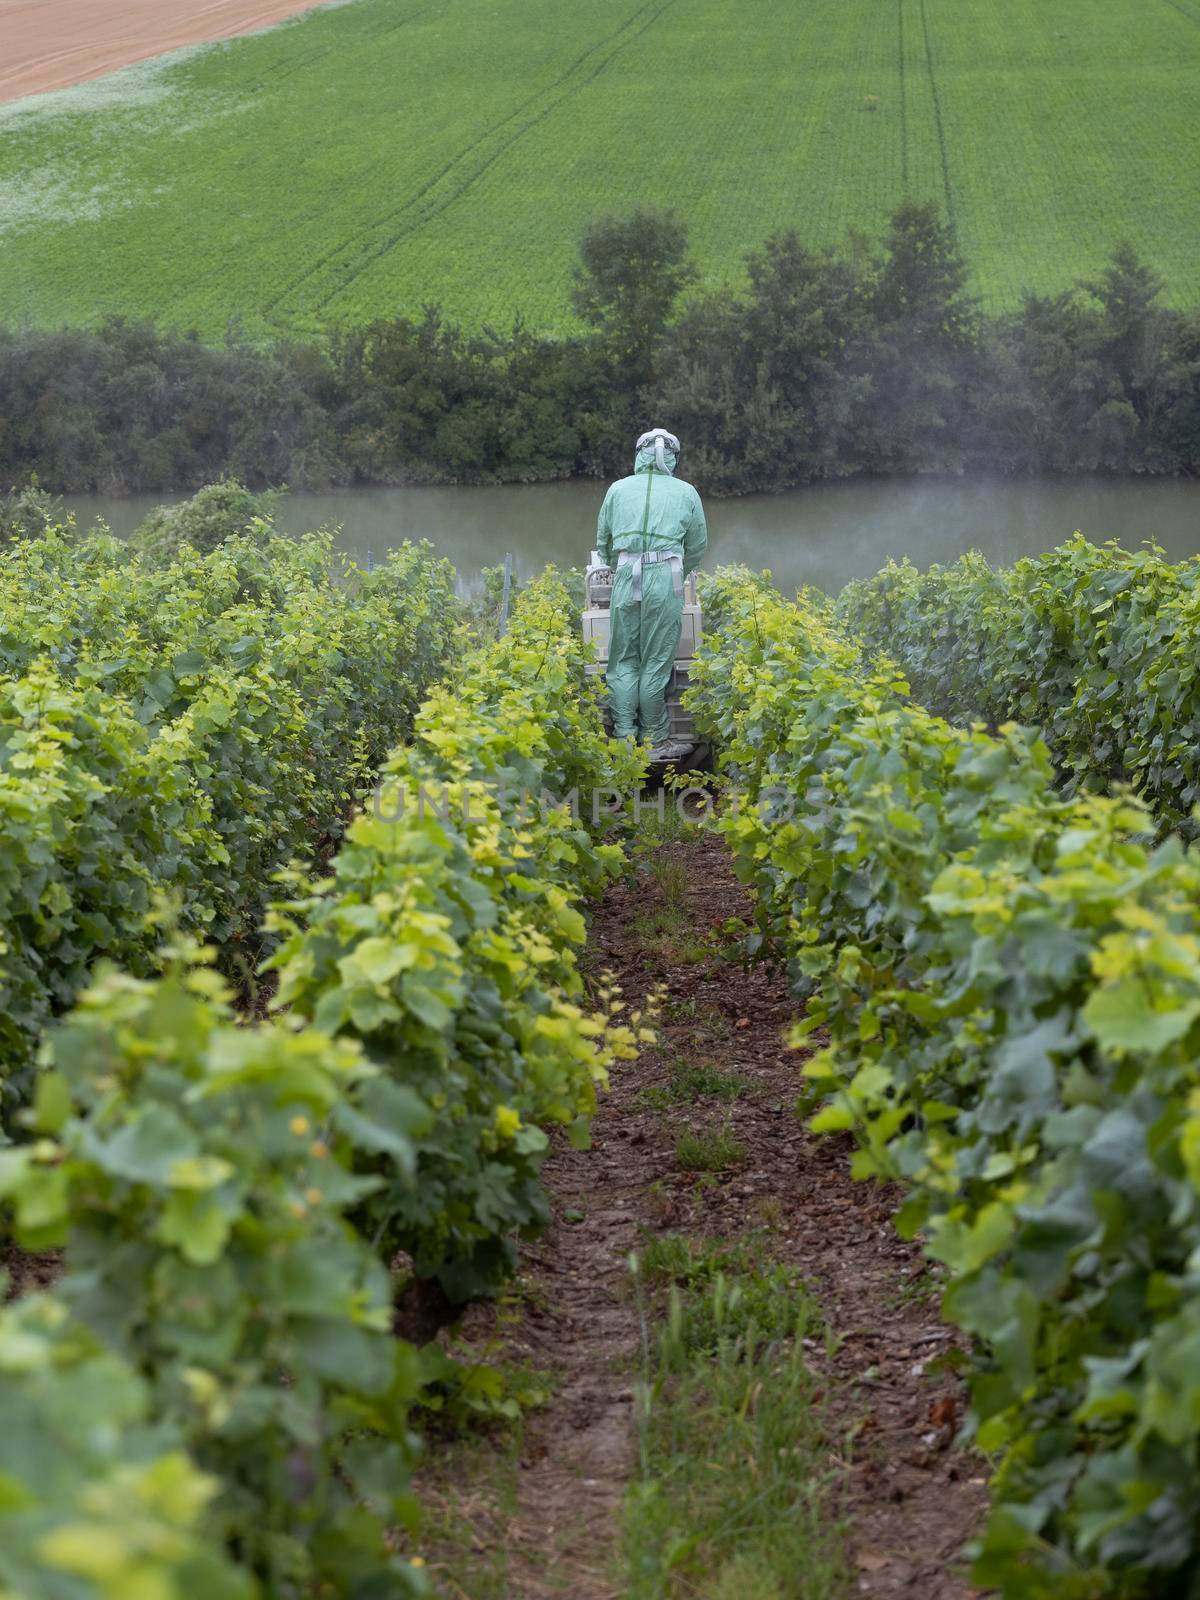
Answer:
(51, 44)
(911, 1497)
(22, 1272)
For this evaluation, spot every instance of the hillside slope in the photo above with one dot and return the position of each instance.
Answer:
(370, 157)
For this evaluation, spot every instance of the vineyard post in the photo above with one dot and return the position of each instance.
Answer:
(504, 603)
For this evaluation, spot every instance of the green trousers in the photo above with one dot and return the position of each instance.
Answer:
(643, 639)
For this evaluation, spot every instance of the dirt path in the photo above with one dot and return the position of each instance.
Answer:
(51, 44)
(912, 1499)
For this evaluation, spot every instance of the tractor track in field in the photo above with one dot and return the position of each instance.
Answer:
(441, 202)
(903, 97)
(423, 189)
(1183, 11)
(282, 71)
(429, 204)
(273, 76)
(947, 187)
(909, 1496)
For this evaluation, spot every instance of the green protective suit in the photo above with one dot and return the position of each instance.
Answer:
(650, 513)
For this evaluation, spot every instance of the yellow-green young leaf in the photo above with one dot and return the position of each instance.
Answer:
(89, 1549)
(43, 1203)
(579, 1134)
(1189, 1145)
(560, 1028)
(798, 1032)
(833, 1119)
(963, 1246)
(14, 1164)
(910, 1218)
(1124, 1018)
(871, 1081)
(51, 1103)
(172, 1487)
(377, 961)
(935, 1111)
(1000, 1164)
(570, 923)
(821, 1065)
(196, 1225)
(884, 1124)
(15, 1496)
(863, 1164)
(199, 1172)
(994, 1434)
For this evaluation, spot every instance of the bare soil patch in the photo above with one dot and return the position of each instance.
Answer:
(23, 1272)
(51, 44)
(911, 1497)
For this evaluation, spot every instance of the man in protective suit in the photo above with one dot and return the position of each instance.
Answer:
(652, 530)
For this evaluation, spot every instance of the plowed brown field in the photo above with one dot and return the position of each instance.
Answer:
(50, 44)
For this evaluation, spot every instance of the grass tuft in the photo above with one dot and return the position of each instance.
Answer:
(709, 1149)
(734, 1497)
(692, 1081)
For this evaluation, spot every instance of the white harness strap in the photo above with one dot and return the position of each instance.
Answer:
(653, 558)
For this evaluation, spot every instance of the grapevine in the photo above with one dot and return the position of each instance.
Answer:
(1010, 979)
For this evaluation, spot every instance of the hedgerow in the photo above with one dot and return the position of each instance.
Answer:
(185, 729)
(1010, 979)
(1096, 646)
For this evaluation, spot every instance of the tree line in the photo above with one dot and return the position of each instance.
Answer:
(824, 363)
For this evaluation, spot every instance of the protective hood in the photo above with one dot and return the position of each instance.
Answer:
(645, 459)
(657, 448)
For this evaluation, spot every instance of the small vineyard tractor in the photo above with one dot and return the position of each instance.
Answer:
(598, 587)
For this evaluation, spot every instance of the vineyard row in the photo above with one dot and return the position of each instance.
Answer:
(233, 1200)
(1098, 647)
(183, 730)
(1009, 980)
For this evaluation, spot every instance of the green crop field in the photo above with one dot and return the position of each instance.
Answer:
(378, 155)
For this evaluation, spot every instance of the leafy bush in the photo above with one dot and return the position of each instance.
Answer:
(93, 820)
(26, 513)
(816, 364)
(215, 513)
(1011, 982)
(360, 649)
